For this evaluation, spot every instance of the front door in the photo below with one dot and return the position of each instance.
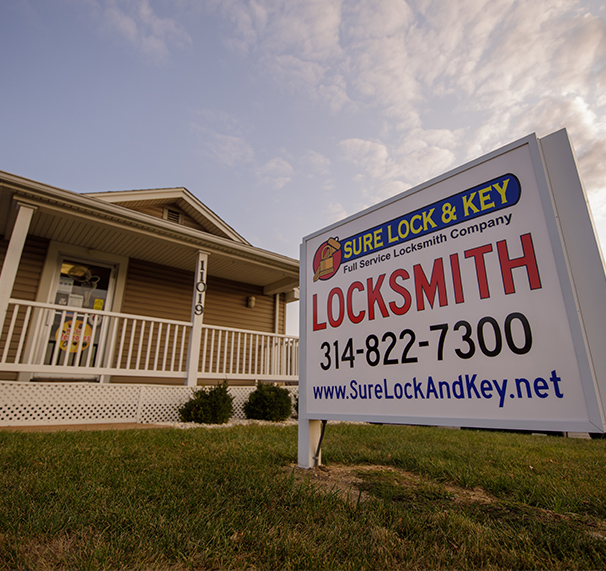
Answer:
(75, 336)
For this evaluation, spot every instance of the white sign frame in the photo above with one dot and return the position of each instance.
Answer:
(576, 263)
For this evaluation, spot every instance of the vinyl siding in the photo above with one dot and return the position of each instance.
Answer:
(157, 211)
(226, 306)
(159, 291)
(30, 267)
(27, 280)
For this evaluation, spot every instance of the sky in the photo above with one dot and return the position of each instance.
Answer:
(285, 116)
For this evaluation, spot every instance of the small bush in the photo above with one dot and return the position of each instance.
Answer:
(268, 402)
(208, 406)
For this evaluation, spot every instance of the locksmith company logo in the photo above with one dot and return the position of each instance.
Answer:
(483, 200)
(327, 259)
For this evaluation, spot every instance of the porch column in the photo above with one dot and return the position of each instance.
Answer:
(277, 313)
(13, 256)
(197, 315)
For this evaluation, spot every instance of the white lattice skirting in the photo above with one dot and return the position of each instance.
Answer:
(27, 404)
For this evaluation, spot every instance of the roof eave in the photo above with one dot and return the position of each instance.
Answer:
(36, 193)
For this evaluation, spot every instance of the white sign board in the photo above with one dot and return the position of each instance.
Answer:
(455, 303)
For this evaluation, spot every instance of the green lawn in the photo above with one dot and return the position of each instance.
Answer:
(425, 498)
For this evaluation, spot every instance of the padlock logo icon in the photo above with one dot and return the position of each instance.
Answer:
(327, 259)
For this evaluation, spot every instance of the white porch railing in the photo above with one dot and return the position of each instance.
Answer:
(44, 339)
(238, 354)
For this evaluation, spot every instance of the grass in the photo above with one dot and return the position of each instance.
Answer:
(230, 498)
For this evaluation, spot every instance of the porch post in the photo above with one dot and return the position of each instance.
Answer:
(197, 315)
(13, 256)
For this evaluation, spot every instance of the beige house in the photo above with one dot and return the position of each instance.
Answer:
(142, 287)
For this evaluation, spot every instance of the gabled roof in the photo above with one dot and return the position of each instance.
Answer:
(100, 224)
(139, 200)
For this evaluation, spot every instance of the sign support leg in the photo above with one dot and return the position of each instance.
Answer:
(310, 433)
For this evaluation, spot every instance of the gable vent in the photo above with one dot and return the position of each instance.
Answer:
(173, 216)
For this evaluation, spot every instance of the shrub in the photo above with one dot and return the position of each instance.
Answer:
(208, 406)
(268, 402)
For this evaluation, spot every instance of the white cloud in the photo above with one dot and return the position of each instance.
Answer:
(308, 28)
(593, 166)
(275, 173)
(423, 157)
(333, 212)
(372, 156)
(230, 150)
(222, 138)
(315, 163)
(295, 72)
(227, 150)
(380, 173)
(296, 42)
(598, 210)
(136, 22)
(377, 19)
(444, 82)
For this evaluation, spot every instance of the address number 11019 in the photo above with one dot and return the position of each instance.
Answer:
(401, 349)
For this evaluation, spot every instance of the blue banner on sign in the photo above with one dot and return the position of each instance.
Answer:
(480, 200)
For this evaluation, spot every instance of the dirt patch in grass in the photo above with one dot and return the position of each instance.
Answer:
(352, 485)
(42, 551)
(341, 479)
(347, 480)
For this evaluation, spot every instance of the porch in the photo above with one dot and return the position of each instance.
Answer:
(144, 287)
(44, 341)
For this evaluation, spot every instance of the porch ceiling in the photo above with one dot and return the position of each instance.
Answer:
(101, 227)
(100, 236)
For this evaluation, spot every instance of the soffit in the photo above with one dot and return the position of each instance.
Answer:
(103, 237)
